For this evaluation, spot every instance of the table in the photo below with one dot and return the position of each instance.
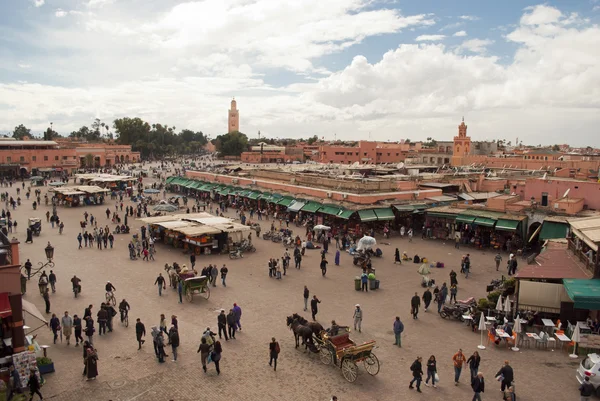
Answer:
(548, 323)
(533, 335)
(490, 318)
(563, 339)
(45, 348)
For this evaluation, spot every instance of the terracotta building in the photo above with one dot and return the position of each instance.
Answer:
(265, 153)
(367, 152)
(233, 118)
(462, 143)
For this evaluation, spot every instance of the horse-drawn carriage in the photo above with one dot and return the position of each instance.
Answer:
(196, 285)
(343, 352)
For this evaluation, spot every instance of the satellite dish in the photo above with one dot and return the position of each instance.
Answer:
(545, 175)
(400, 165)
(566, 193)
(355, 164)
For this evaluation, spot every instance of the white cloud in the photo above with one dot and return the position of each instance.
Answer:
(469, 18)
(430, 38)
(38, 3)
(99, 3)
(460, 34)
(60, 13)
(24, 66)
(475, 45)
(540, 14)
(596, 8)
(171, 71)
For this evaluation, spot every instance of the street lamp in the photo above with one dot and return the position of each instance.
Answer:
(49, 252)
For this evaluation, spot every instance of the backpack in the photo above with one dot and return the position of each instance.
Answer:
(277, 349)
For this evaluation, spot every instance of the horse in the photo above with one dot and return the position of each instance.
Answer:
(314, 326)
(300, 331)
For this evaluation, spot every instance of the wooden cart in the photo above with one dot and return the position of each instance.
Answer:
(342, 351)
(196, 285)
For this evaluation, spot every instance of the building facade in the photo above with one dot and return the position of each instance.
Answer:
(233, 118)
(367, 152)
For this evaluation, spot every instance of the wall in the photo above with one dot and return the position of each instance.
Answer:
(587, 190)
(323, 194)
(40, 158)
(331, 183)
(520, 163)
(365, 152)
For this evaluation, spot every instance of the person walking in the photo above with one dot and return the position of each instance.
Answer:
(273, 353)
(364, 281)
(102, 319)
(77, 325)
(323, 266)
(417, 371)
(193, 260)
(34, 385)
(52, 281)
(453, 280)
(237, 312)
(431, 371)
(180, 290)
(507, 375)
(467, 265)
(512, 265)
(54, 326)
(443, 294)
(231, 326)
(89, 329)
(306, 295)
(174, 341)
(427, 297)
(498, 259)
(358, 315)
(216, 355)
(337, 257)
(397, 257)
(140, 332)
(28, 266)
(586, 390)
(398, 329)
(204, 350)
(160, 281)
(478, 386)
(453, 292)
(222, 324)
(47, 299)
(91, 363)
(415, 302)
(473, 362)
(67, 326)
(298, 259)
(314, 306)
(214, 273)
(224, 272)
(458, 359)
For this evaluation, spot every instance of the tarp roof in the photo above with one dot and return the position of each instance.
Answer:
(584, 293)
(33, 311)
(171, 225)
(555, 262)
(197, 229)
(437, 184)
(478, 195)
(587, 229)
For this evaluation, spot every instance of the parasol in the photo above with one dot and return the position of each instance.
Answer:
(56, 184)
(576, 337)
(36, 178)
(499, 304)
(321, 227)
(151, 191)
(507, 306)
(517, 330)
(366, 242)
(481, 328)
(165, 208)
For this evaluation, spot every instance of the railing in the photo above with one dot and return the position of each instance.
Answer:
(583, 258)
(5, 250)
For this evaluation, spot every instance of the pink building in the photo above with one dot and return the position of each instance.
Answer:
(546, 192)
(367, 152)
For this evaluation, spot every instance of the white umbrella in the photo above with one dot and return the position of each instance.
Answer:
(507, 306)
(366, 242)
(499, 304)
(517, 330)
(321, 227)
(481, 328)
(575, 338)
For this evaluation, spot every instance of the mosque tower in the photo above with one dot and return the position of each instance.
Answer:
(234, 117)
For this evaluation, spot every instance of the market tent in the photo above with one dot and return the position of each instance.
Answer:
(553, 230)
(441, 214)
(507, 225)
(285, 201)
(384, 214)
(584, 293)
(171, 225)
(465, 219)
(254, 195)
(198, 230)
(367, 215)
(483, 221)
(296, 206)
(329, 209)
(311, 207)
(170, 179)
(32, 311)
(345, 214)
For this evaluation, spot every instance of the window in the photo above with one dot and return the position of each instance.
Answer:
(55, 157)
(364, 154)
(22, 158)
(389, 154)
(33, 158)
(397, 154)
(64, 158)
(8, 159)
(45, 158)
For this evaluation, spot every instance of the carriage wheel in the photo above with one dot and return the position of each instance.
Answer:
(371, 364)
(206, 292)
(326, 356)
(189, 295)
(349, 370)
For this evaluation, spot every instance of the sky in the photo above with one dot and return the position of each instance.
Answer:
(346, 69)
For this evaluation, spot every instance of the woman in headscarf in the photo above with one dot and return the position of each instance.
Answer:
(91, 363)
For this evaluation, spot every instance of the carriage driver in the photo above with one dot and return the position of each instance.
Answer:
(335, 329)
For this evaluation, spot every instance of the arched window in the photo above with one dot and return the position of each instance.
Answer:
(457, 149)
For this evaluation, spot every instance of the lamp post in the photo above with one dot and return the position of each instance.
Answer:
(49, 250)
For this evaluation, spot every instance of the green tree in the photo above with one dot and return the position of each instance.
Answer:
(556, 148)
(231, 144)
(20, 132)
(88, 160)
(312, 139)
(50, 135)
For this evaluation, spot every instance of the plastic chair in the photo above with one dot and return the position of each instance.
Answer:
(543, 339)
(491, 338)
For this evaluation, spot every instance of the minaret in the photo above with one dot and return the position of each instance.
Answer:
(462, 144)
(234, 117)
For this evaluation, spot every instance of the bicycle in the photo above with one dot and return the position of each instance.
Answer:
(125, 317)
(110, 298)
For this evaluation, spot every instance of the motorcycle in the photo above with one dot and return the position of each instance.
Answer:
(236, 254)
(76, 290)
(458, 309)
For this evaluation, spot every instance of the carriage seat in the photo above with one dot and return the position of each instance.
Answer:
(341, 341)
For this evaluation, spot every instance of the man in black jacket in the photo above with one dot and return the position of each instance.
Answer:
(140, 331)
(507, 376)
(478, 386)
(222, 323)
(231, 324)
(427, 297)
(415, 302)
(417, 371)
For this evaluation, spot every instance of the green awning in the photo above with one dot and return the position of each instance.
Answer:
(553, 230)
(244, 194)
(465, 219)
(441, 214)
(367, 215)
(198, 185)
(329, 209)
(296, 206)
(311, 207)
(482, 221)
(224, 191)
(507, 225)
(585, 293)
(187, 183)
(385, 214)
(285, 201)
(345, 214)
(266, 196)
(170, 179)
(274, 198)
(254, 195)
